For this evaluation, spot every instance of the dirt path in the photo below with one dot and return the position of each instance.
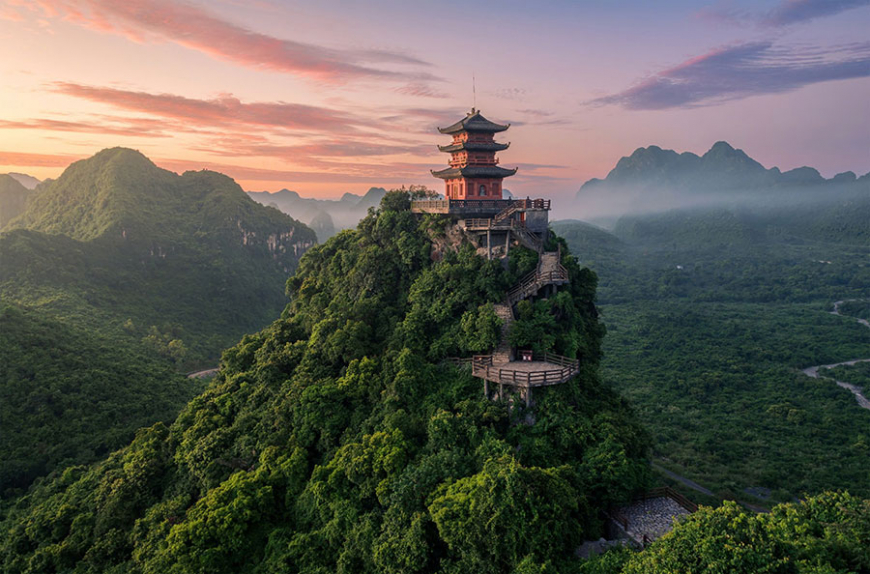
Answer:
(814, 371)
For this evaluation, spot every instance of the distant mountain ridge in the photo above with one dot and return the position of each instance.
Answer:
(343, 213)
(27, 181)
(13, 198)
(723, 167)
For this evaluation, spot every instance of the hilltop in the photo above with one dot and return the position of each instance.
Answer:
(336, 440)
(155, 245)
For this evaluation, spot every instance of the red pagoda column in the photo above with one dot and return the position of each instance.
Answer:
(474, 172)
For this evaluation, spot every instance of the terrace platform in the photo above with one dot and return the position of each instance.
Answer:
(544, 370)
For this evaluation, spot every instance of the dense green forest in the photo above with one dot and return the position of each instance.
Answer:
(115, 276)
(857, 374)
(336, 440)
(69, 395)
(711, 314)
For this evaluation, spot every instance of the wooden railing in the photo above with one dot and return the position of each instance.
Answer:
(482, 367)
(446, 204)
(477, 223)
(532, 282)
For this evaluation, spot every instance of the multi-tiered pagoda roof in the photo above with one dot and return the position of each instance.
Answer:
(474, 122)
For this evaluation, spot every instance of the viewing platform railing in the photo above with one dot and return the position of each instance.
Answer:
(482, 367)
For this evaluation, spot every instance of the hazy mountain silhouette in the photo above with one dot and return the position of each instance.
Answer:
(344, 213)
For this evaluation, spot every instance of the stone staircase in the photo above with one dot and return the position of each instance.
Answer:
(502, 353)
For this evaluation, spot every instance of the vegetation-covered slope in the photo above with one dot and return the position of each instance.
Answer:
(334, 441)
(69, 396)
(828, 533)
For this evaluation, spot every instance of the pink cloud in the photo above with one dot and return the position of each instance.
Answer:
(132, 128)
(200, 30)
(220, 111)
(26, 159)
(395, 173)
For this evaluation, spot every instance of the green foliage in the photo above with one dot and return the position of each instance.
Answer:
(334, 441)
(829, 533)
(534, 326)
(70, 396)
(495, 518)
(481, 330)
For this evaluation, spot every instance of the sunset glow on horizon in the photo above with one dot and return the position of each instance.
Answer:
(339, 97)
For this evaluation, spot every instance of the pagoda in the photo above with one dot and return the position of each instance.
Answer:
(474, 173)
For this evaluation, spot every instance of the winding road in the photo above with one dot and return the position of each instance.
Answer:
(814, 371)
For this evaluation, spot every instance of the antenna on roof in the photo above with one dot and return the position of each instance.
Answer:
(473, 92)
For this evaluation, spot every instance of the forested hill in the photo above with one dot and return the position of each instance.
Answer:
(116, 238)
(336, 440)
(118, 274)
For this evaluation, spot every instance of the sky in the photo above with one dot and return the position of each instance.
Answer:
(338, 96)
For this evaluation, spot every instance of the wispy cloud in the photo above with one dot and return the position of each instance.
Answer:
(26, 159)
(393, 173)
(422, 90)
(134, 127)
(795, 11)
(199, 29)
(220, 111)
(740, 71)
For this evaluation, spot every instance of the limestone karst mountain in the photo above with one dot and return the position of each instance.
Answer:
(115, 275)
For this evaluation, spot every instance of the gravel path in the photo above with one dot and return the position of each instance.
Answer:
(652, 518)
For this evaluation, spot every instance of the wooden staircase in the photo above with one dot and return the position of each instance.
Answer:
(527, 238)
(549, 272)
(508, 211)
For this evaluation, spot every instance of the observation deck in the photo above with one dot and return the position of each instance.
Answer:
(543, 370)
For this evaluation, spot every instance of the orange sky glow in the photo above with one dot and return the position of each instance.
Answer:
(330, 97)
